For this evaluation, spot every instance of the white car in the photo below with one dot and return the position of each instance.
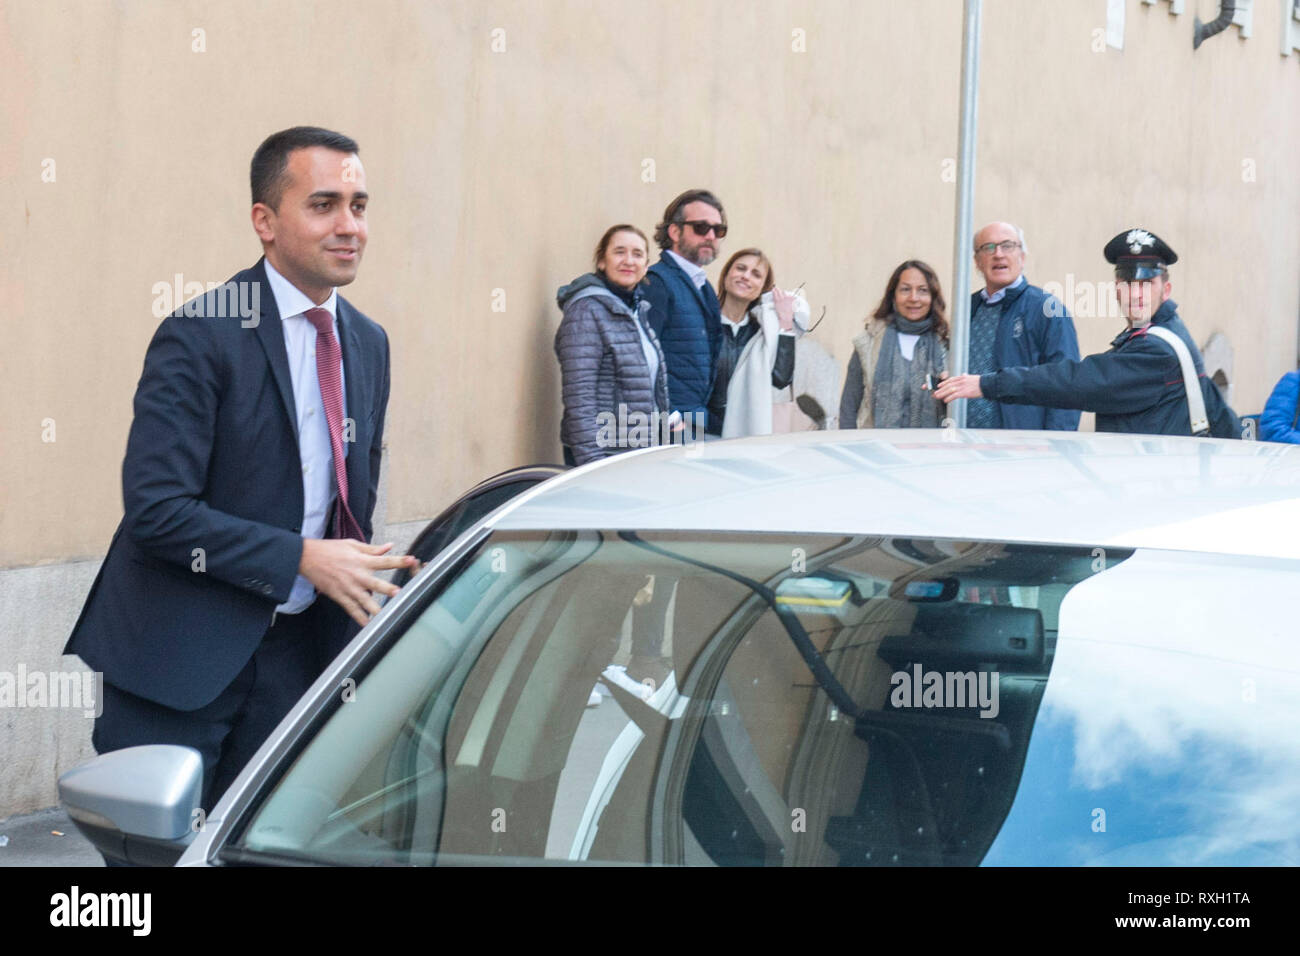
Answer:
(828, 648)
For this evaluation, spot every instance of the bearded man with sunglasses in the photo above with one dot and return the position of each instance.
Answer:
(684, 310)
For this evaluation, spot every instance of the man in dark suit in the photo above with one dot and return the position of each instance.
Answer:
(249, 482)
(684, 311)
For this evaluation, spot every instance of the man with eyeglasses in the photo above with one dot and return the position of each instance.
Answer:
(1015, 324)
(684, 311)
(1139, 385)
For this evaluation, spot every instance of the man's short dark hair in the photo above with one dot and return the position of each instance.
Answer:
(676, 213)
(268, 175)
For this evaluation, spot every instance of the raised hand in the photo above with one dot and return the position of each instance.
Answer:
(784, 303)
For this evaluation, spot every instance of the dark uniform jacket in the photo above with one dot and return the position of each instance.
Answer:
(1135, 387)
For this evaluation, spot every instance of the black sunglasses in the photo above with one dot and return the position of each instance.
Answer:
(702, 228)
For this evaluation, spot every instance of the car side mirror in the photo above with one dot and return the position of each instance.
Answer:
(137, 805)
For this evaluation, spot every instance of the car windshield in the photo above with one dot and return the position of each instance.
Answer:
(689, 698)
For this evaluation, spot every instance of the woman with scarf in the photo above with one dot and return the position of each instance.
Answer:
(615, 382)
(897, 360)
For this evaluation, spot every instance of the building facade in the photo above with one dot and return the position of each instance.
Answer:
(501, 138)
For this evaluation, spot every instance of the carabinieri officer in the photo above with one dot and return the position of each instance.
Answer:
(1135, 387)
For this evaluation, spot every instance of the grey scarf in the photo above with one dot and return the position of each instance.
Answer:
(898, 398)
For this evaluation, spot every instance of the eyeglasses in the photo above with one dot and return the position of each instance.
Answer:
(1008, 246)
(702, 228)
(819, 318)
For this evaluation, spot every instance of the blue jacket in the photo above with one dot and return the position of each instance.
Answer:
(1279, 412)
(1035, 329)
(688, 323)
(1136, 387)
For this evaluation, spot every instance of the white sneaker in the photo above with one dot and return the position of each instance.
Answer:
(593, 699)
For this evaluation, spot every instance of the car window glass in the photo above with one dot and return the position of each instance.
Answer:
(698, 699)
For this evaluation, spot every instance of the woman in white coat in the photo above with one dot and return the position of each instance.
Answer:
(757, 347)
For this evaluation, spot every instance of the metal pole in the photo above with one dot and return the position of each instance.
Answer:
(958, 359)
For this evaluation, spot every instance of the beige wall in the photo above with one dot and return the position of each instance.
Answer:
(498, 170)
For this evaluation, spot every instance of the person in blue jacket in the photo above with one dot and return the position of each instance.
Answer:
(684, 310)
(1279, 419)
(1138, 385)
(1015, 324)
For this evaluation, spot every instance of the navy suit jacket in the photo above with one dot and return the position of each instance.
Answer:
(689, 326)
(212, 491)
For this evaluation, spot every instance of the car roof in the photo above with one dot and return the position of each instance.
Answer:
(1084, 489)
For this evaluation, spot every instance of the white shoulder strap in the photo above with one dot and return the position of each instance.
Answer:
(1191, 382)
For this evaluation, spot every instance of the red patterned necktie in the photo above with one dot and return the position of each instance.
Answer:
(328, 369)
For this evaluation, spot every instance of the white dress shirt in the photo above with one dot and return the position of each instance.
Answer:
(318, 483)
(998, 296)
(697, 273)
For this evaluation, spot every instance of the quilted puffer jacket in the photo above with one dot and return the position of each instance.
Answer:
(608, 394)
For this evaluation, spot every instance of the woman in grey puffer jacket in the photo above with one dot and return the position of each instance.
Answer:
(614, 378)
